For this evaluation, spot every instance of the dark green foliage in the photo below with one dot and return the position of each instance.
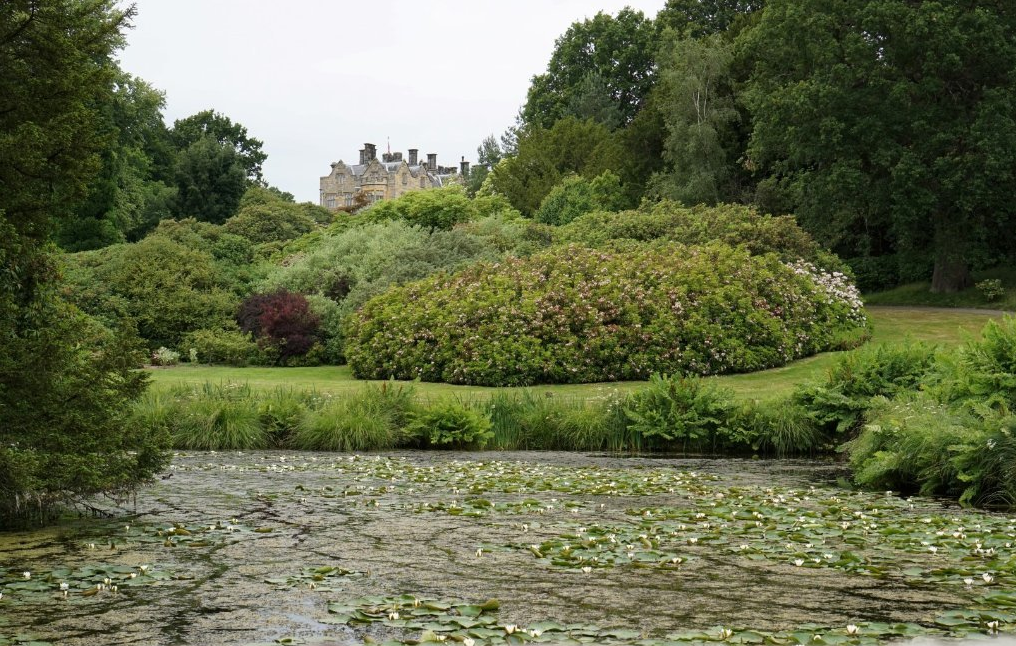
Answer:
(576, 196)
(210, 179)
(732, 224)
(452, 425)
(546, 155)
(888, 125)
(65, 434)
(64, 380)
(220, 129)
(573, 315)
(680, 413)
(604, 62)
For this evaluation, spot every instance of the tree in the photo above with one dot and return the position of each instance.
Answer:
(545, 155)
(210, 180)
(699, 111)
(221, 128)
(890, 120)
(697, 18)
(125, 198)
(65, 382)
(599, 59)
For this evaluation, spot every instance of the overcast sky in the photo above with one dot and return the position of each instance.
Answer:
(315, 79)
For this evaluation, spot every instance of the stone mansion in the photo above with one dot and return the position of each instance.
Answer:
(385, 179)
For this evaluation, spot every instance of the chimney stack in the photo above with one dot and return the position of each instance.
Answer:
(370, 153)
(464, 167)
(412, 156)
(432, 162)
(363, 156)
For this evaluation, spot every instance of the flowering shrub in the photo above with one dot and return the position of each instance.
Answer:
(165, 357)
(575, 315)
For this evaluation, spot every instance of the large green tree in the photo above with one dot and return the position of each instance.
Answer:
(702, 145)
(601, 68)
(546, 155)
(221, 128)
(128, 197)
(64, 381)
(891, 122)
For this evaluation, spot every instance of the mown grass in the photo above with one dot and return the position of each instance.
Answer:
(889, 324)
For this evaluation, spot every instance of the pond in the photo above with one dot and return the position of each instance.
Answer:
(495, 548)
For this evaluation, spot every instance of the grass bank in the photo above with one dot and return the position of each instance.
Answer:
(889, 325)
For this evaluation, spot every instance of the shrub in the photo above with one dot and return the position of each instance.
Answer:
(575, 196)
(435, 209)
(837, 406)
(228, 346)
(983, 369)
(271, 222)
(451, 424)
(573, 315)
(991, 289)
(525, 420)
(731, 224)
(373, 419)
(165, 357)
(910, 445)
(281, 320)
(680, 412)
(164, 287)
(280, 413)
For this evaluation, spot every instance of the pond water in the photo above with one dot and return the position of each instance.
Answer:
(287, 547)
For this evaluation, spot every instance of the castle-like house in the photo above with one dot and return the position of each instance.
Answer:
(385, 179)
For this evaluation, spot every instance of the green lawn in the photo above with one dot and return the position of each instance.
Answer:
(889, 324)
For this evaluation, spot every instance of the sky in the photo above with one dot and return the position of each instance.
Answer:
(315, 79)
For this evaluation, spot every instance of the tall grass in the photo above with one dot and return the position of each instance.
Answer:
(374, 419)
(524, 419)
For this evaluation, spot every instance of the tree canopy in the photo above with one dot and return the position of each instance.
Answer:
(890, 124)
(601, 68)
(65, 381)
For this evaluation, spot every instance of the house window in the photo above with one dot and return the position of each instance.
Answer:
(330, 201)
(349, 199)
(405, 179)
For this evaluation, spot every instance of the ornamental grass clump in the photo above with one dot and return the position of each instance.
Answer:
(375, 418)
(577, 315)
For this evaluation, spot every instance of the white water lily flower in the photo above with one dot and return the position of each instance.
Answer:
(536, 632)
(27, 575)
(393, 615)
(987, 577)
(992, 626)
(143, 568)
(64, 586)
(586, 569)
(479, 551)
(726, 633)
(798, 562)
(933, 549)
(852, 629)
(510, 628)
(968, 581)
(468, 641)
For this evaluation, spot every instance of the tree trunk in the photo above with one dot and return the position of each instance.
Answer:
(950, 276)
